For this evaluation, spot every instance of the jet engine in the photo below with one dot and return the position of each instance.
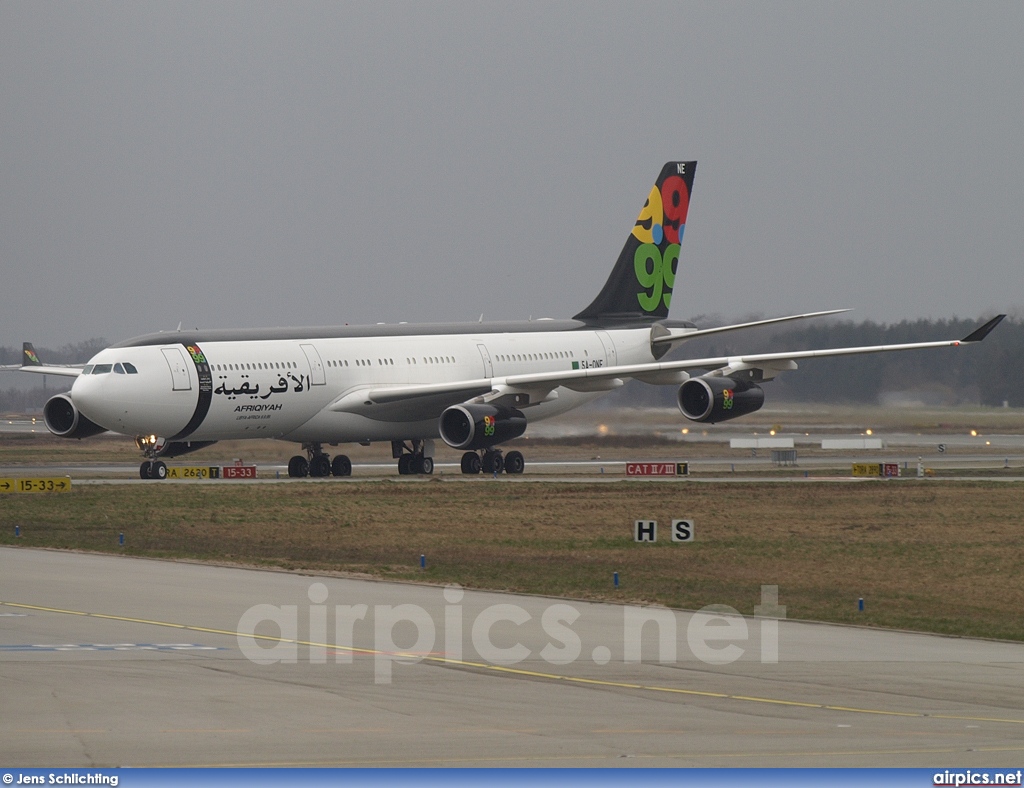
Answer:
(64, 419)
(712, 399)
(480, 426)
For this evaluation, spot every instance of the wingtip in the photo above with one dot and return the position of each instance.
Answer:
(983, 331)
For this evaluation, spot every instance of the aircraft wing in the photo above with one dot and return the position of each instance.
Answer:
(661, 372)
(67, 372)
(414, 402)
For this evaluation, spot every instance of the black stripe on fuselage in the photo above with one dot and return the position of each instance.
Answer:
(205, 390)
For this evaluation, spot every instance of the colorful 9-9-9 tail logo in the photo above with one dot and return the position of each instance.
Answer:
(659, 228)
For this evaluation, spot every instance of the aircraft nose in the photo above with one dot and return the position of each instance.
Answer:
(87, 392)
(133, 399)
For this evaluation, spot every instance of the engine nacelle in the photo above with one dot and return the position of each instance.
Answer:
(480, 426)
(63, 419)
(712, 399)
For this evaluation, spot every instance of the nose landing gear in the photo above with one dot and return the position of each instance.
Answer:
(151, 447)
(151, 469)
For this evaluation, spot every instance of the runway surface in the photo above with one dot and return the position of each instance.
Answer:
(118, 661)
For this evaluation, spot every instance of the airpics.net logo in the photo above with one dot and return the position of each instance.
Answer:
(408, 634)
(977, 777)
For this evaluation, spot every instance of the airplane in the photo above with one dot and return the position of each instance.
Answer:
(474, 386)
(31, 359)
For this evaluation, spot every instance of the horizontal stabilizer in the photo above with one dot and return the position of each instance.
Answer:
(679, 336)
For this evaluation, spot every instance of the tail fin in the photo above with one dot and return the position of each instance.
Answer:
(28, 356)
(640, 285)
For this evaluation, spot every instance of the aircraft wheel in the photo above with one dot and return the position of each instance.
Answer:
(405, 464)
(514, 462)
(298, 467)
(320, 466)
(145, 469)
(425, 465)
(159, 471)
(492, 462)
(341, 466)
(471, 462)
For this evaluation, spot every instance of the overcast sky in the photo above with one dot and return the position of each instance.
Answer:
(262, 164)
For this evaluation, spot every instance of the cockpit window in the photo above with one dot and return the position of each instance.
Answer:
(102, 369)
(118, 369)
(87, 369)
(130, 369)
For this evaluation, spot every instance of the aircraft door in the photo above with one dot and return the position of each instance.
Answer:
(179, 371)
(486, 357)
(316, 366)
(609, 348)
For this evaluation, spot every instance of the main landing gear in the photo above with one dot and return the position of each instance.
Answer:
(413, 457)
(492, 462)
(318, 464)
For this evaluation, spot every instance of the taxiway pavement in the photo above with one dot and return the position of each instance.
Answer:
(108, 660)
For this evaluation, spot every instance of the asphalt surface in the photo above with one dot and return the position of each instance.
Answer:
(109, 661)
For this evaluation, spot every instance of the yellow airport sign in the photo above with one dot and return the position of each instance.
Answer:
(48, 484)
(192, 472)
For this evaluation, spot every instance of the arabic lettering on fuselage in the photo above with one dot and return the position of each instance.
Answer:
(251, 390)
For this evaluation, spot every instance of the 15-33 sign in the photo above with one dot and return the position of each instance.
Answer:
(54, 484)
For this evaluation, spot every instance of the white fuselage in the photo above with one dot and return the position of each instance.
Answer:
(284, 388)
